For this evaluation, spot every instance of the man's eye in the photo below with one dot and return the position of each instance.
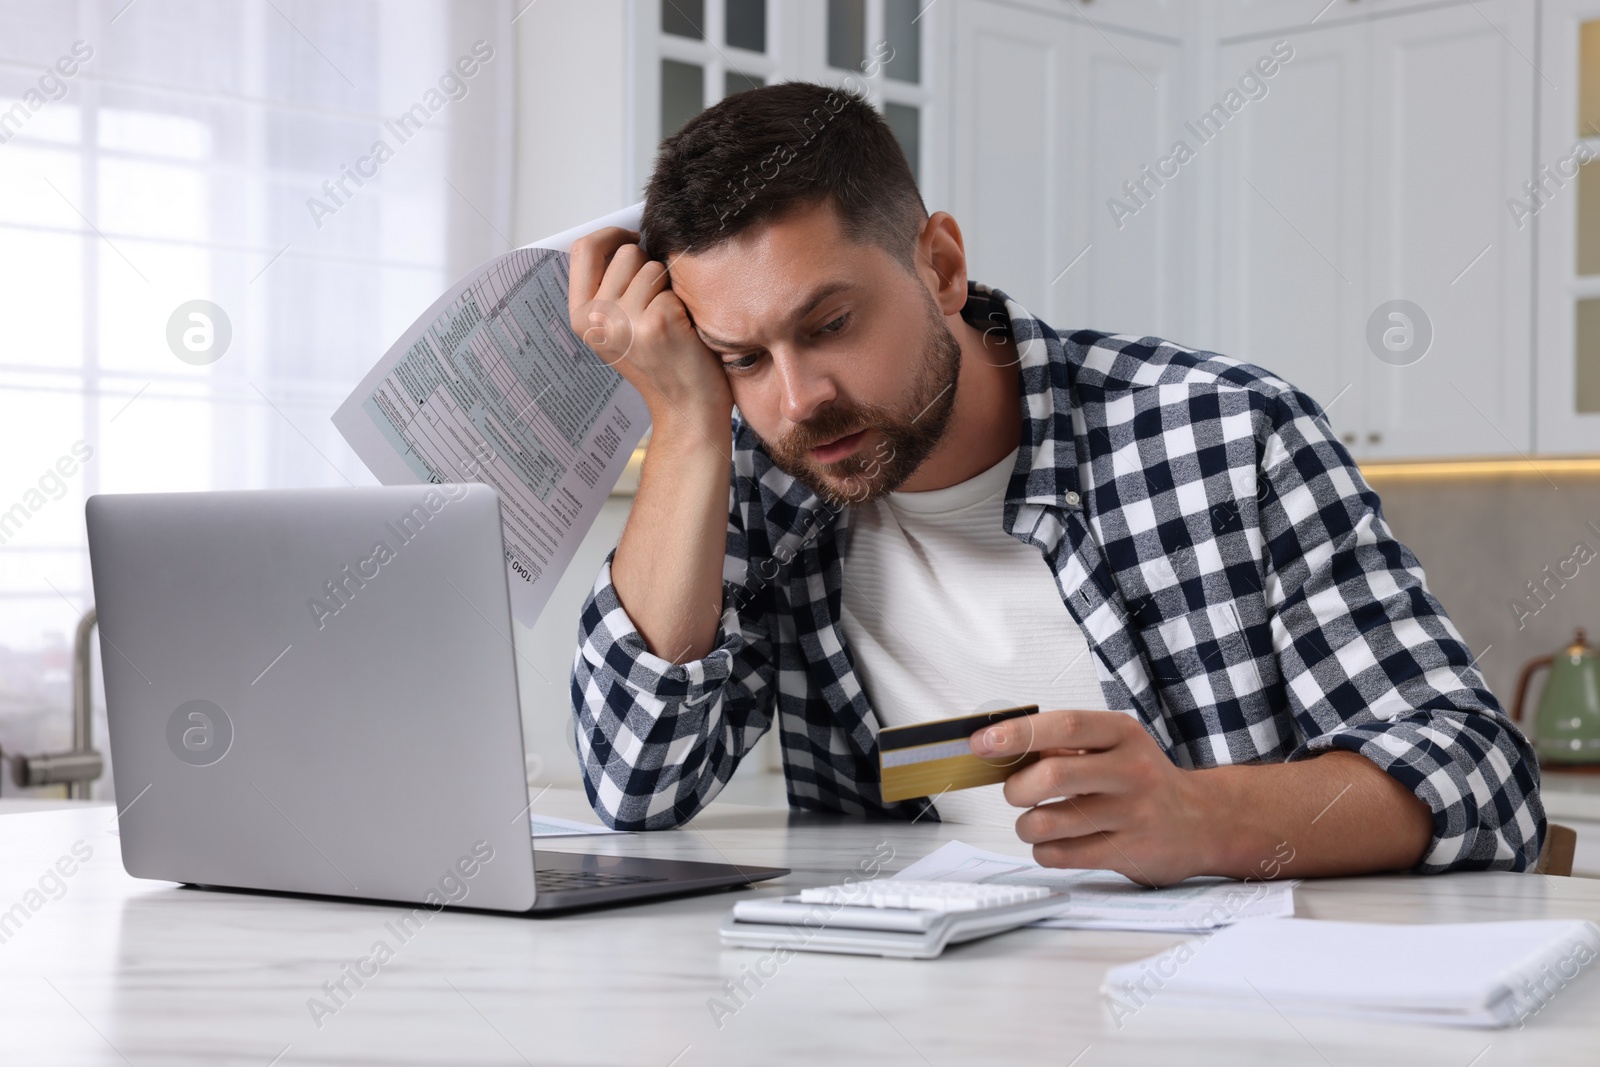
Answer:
(836, 325)
(744, 362)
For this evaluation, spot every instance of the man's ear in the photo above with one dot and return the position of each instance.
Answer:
(942, 262)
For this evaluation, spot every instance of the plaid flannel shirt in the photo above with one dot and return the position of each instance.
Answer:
(1229, 566)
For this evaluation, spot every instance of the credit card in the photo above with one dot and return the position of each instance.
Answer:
(932, 758)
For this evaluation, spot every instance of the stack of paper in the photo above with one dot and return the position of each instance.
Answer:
(1455, 974)
(1105, 900)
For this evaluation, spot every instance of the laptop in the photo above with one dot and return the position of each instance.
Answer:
(314, 691)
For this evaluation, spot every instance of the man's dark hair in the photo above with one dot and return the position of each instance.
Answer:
(760, 154)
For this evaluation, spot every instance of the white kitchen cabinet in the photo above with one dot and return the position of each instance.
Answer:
(1379, 166)
(1568, 409)
(1290, 192)
(1241, 18)
(1128, 103)
(1050, 118)
(1450, 127)
(1010, 112)
(1165, 20)
(1375, 170)
(1161, 18)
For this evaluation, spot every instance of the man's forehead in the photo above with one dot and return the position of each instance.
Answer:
(799, 243)
(769, 277)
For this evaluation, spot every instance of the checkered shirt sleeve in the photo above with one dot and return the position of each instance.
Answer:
(1372, 663)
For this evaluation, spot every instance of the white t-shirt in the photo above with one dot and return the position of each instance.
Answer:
(947, 614)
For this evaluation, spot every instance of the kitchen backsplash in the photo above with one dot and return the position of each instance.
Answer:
(1514, 557)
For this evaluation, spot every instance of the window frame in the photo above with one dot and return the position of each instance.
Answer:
(796, 50)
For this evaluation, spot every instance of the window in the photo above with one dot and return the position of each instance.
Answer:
(737, 82)
(682, 93)
(1586, 333)
(906, 122)
(157, 155)
(747, 25)
(1589, 79)
(847, 34)
(891, 65)
(902, 34)
(683, 18)
(711, 49)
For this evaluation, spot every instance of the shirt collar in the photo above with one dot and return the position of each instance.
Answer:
(1046, 470)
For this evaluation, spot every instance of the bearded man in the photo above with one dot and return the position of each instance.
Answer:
(878, 493)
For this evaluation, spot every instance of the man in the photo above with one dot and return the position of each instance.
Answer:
(937, 504)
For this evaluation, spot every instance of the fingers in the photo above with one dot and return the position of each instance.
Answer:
(1093, 730)
(605, 320)
(590, 259)
(1100, 852)
(648, 283)
(1074, 817)
(1091, 833)
(621, 305)
(1058, 777)
(625, 265)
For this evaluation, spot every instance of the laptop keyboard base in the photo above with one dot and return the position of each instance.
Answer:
(555, 880)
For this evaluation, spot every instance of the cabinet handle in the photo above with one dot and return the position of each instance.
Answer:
(1374, 438)
(1348, 438)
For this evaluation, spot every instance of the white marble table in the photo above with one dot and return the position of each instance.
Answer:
(118, 971)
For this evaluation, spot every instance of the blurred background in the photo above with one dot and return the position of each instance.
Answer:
(1388, 202)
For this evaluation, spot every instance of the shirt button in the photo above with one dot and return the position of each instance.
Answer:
(1072, 499)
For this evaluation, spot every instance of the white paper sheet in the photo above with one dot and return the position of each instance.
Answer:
(1105, 900)
(551, 826)
(1451, 974)
(491, 385)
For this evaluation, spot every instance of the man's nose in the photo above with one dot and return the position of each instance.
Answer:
(804, 391)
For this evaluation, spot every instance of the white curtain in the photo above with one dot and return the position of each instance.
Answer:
(315, 171)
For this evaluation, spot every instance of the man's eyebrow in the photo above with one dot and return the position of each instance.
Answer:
(818, 295)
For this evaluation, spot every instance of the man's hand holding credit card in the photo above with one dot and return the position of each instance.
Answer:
(1092, 789)
(929, 759)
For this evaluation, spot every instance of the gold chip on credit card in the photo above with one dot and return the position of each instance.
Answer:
(928, 759)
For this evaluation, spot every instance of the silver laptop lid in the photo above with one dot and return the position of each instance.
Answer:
(315, 691)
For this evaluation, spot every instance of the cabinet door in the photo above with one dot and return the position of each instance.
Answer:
(1237, 18)
(1051, 118)
(1009, 146)
(1127, 115)
(1167, 18)
(1451, 118)
(1568, 360)
(1290, 200)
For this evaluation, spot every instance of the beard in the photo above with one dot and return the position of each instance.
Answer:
(905, 437)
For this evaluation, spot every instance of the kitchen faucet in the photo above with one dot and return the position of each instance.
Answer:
(80, 766)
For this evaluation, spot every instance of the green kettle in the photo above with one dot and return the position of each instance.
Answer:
(1566, 725)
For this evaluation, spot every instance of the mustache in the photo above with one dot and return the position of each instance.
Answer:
(827, 425)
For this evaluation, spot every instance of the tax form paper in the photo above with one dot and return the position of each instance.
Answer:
(491, 385)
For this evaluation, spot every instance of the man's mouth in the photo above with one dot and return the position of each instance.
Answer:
(838, 448)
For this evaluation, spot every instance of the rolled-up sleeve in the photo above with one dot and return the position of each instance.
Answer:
(657, 740)
(1371, 662)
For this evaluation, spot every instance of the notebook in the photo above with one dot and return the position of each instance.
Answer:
(1486, 974)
